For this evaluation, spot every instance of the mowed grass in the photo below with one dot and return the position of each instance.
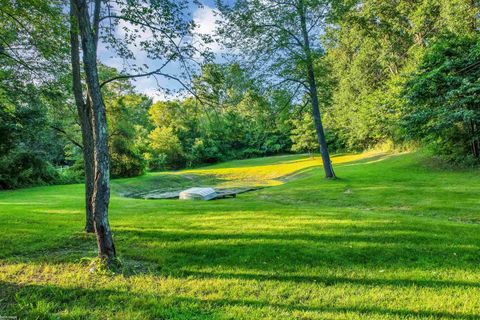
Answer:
(259, 172)
(393, 238)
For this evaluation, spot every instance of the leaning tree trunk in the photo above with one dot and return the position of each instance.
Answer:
(327, 163)
(84, 114)
(101, 191)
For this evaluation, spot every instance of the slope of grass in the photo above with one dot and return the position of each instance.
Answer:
(258, 172)
(391, 239)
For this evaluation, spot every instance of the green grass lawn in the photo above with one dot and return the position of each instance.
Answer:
(393, 238)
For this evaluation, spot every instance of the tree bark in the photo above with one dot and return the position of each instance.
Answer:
(475, 141)
(101, 190)
(84, 113)
(474, 17)
(327, 163)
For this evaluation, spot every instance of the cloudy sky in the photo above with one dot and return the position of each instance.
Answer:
(203, 16)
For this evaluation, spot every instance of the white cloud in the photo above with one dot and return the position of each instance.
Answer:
(205, 19)
(152, 87)
(159, 88)
(155, 94)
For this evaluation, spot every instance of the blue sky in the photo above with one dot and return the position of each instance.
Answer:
(203, 16)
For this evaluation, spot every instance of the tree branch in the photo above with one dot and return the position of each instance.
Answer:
(96, 20)
(126, 76)
(16, 60)
(67, 136)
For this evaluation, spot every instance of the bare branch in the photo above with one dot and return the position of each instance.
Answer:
(138, 75)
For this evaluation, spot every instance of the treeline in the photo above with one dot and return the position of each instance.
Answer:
(387, 72)
(232, 117)
(32, 70)
(406, 71)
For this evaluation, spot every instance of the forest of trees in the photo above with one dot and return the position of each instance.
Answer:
(342, 75)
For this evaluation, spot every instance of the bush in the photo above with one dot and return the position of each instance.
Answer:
(71, 174)
(156, 162)
(205, 150)
(165, 144)
(21, 169)
(303, 134)
(444, 99)
(127, 165)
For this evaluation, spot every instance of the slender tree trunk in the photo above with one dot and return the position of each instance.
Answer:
(475, 141)
(327, 163)
(89, 168)
(84, 114)
(101, 191)
(474, 16)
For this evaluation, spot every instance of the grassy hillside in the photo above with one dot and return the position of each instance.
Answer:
(259, 172)
(393, 238)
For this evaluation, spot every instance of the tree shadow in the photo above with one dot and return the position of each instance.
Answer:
(106, 303)
(278, 256)
(332, 280)
(373, 245)
(289, 252)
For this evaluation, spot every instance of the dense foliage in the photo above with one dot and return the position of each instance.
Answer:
(374, 49)
(28, 146)
(29, 72)
(127, 115)
(444, 98)
(231, 118)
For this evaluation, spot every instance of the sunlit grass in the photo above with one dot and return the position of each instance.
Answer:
(258, 172)
(390, 239)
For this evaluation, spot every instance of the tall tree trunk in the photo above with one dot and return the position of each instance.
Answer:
(88, 160)
(84, 114)
(327, 163)
(101, 191)
(474, 15)
(475, 140)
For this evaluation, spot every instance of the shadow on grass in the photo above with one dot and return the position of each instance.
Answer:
(277, 256)
(24, 300)
(376, 246)
(333, 280)
(291, 252)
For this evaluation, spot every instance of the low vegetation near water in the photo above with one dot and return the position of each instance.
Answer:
(392, 238)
